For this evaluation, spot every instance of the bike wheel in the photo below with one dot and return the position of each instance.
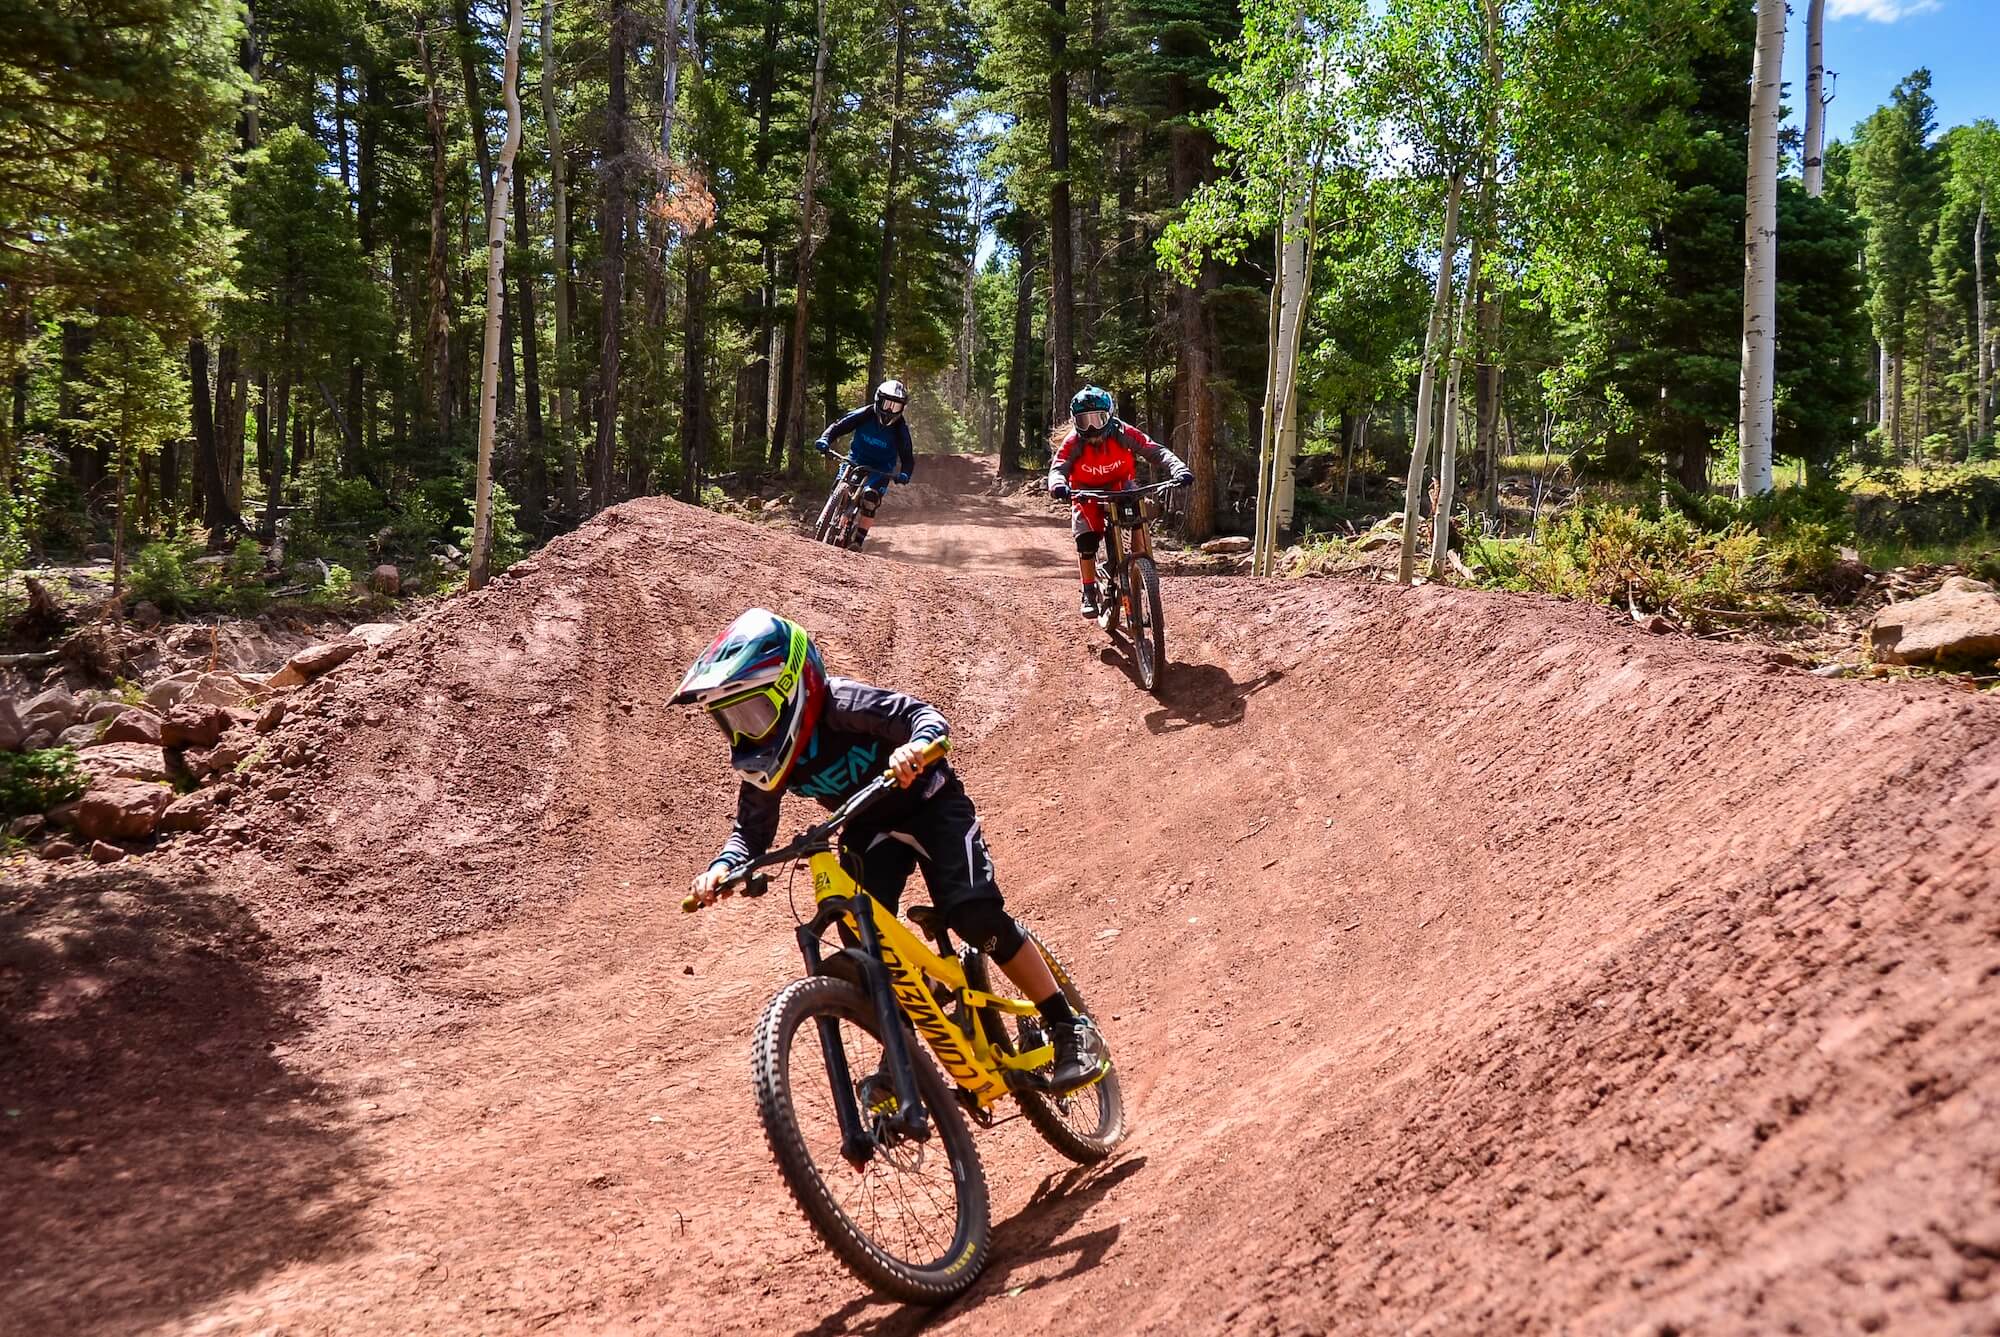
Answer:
(1147, 625)
(829, 516)
(1107, 593)
(1085, 1125)
(913, 1221)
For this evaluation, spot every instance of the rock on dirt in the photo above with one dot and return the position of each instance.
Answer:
(190, 812)
(28, 826)
(314, 660)
(124, 761)
(1958, 624)
(13, 732)
(224, 756)
(77, 735)
(103, 710)
(115, 810)
(134, 724)
(271, 716)
(193, 725)
(385, 579)
(1226, 547)
(103, 851)
(56, 709)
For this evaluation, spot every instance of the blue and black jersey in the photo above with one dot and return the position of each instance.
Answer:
(849, 747)
(880, 448)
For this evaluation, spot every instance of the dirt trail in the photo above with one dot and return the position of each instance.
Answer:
(1479, 964)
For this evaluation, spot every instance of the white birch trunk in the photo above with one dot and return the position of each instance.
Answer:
(1420, 449)
(795, 350)
(1291, 315)
(1760, 255)
(552, 119)
(496, 264)
(1985, 412)
(1448, 450)
(1815, 165)
(1267, 430)
(680, 16)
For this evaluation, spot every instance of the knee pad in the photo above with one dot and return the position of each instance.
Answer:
(869, 501)
(985, 924)
(1086, 543)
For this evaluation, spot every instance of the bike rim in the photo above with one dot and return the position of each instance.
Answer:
(1084, 1111)
(905, 1200)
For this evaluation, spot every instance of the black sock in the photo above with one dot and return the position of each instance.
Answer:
(1055, 1010)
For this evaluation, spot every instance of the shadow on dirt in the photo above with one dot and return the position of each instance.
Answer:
(156, 1151)
(1035, 1233)
(1203, 694)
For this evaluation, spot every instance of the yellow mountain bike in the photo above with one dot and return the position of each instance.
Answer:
(870, 1137)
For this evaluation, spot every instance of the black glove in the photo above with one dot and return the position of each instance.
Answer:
(902, 478)
(1058, 491)
(821, 446)
(1185, 478)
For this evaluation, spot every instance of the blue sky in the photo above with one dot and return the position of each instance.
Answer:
(1873, 43)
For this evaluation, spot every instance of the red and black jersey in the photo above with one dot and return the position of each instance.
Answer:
(1107, 461)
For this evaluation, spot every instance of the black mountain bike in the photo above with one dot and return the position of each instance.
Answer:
(870, 1136)
(840, 519)
(1127, 580)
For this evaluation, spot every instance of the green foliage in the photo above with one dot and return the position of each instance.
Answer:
(1664, 563)
(1939, 506)
(160, 577)
(39, 780)
(243, 592)
(510, 545)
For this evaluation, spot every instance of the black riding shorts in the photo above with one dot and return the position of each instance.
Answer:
(939, 835)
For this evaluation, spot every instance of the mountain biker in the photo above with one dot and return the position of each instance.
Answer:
(1098, 452)
(791, 728)
(881, 448)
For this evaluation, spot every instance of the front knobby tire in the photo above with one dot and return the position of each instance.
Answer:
(1148, 627)
(940, 1178)
(1086, 1125)
(829, 515)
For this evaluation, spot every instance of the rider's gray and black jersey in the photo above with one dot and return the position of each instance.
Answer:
(847, 747)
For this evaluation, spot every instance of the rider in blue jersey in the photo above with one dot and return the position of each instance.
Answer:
(881, 448)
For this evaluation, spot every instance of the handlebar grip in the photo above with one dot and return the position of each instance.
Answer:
(937, 751)
(757, 885)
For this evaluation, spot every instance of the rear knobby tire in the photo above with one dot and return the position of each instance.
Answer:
(1149, 627)
(1087, 1125)
(928, 1281)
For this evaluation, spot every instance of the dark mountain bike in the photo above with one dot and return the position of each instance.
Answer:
(840, 519)
(1127, 580)
(870, 1136)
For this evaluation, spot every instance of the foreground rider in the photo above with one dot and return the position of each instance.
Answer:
(1098, 453)
(881, 448)
(792, 728)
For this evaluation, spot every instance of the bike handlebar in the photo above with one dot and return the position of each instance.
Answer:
(1110, 494)
(813, 838)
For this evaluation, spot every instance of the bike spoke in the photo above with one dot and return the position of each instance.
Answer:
(897, 1199)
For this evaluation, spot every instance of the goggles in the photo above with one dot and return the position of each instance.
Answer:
(890, 406)
(1092, 420)
(749, 717)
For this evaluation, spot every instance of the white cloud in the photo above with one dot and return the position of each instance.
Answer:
(1882, 11)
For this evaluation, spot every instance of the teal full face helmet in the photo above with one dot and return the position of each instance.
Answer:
(1090, 411)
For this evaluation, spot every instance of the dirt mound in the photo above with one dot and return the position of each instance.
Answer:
(1477, 963)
